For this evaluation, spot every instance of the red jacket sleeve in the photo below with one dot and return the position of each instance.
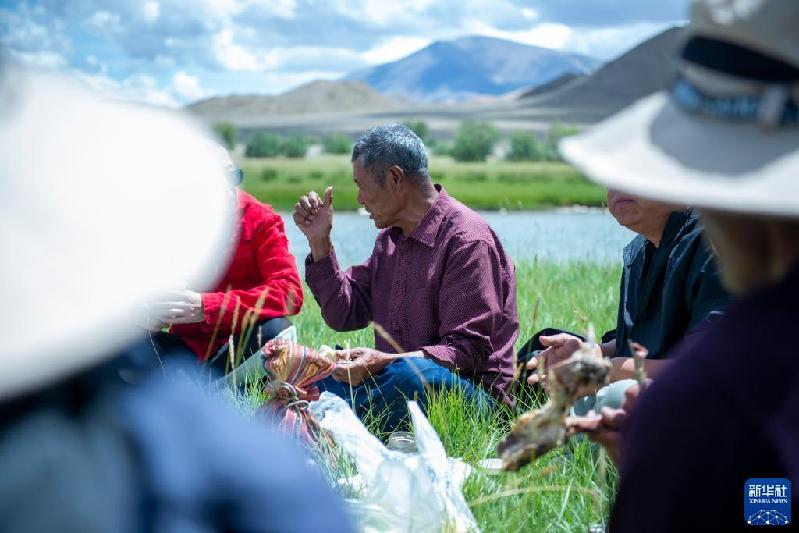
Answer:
(280, 291)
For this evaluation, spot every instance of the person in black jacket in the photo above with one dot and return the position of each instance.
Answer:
(712, 444)
(670, 289)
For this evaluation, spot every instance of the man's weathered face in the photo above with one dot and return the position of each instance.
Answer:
(380, 201)
(637, 214)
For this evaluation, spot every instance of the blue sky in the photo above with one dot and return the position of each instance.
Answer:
(173, 52)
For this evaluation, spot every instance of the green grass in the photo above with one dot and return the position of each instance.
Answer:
(487, 186)
(567, 490)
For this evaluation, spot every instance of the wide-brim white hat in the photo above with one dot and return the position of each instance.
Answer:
(725, 137)
(104, 206)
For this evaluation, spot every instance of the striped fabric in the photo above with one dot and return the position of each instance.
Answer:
(292, 371)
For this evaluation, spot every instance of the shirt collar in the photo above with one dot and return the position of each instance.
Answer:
(677, 222)
(427, 230)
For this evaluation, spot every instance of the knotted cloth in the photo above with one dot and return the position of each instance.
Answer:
(292, 371)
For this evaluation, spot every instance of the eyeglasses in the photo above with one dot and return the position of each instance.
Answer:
(237, 175)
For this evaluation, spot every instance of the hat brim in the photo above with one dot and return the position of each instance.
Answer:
(656, 150)
(104, 206)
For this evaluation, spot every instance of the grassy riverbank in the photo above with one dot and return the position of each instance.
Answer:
(567, 490)
(491, 185)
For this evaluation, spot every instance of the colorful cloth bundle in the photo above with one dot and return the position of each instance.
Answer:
(292, 371)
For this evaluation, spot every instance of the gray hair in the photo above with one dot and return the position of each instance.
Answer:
(392, 144)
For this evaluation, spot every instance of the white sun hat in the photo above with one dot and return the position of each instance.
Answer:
(104, 206)
(726, 136)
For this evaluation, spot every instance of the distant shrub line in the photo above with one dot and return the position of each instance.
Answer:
(474, 141)
(492, 185)
(526, 146)
(265, 144)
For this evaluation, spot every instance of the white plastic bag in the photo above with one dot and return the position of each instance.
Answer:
(401, 492)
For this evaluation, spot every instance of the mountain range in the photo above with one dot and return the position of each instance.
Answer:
(453, 71)
(644, 69)
(351, 106)
(315, 97)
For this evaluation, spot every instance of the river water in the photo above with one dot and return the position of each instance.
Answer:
(560, 235)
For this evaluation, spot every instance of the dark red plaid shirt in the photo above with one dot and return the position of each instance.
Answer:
(448, 289)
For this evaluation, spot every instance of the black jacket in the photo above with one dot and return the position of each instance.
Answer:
(670, 291)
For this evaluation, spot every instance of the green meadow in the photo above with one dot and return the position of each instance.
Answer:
(569, 489)
(490, 185)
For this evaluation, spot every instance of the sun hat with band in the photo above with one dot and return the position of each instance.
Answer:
(92, 193)
(726, 134)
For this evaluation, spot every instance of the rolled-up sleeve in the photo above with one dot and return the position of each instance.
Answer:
(470, 307)
(343, 297)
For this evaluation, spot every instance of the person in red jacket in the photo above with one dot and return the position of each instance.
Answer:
(251, 301)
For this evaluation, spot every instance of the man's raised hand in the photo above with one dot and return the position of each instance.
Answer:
(314, 217)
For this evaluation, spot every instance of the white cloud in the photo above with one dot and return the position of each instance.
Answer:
(607, 43)
(385, 12)
(99, 83)
(183, 88)
(380, 13)
(105, 22)
(28, 30)
(220, 9)
(238, 57)
(144, 88)
(273, 45)
(187, 86)
(602, 43)
(151, 10)
(285, 9)
(138, 88)
(40, 60)
(394, 49)
(233, 56)
(164, 61)
(93, 64)
(302, 58)
(546, 34)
